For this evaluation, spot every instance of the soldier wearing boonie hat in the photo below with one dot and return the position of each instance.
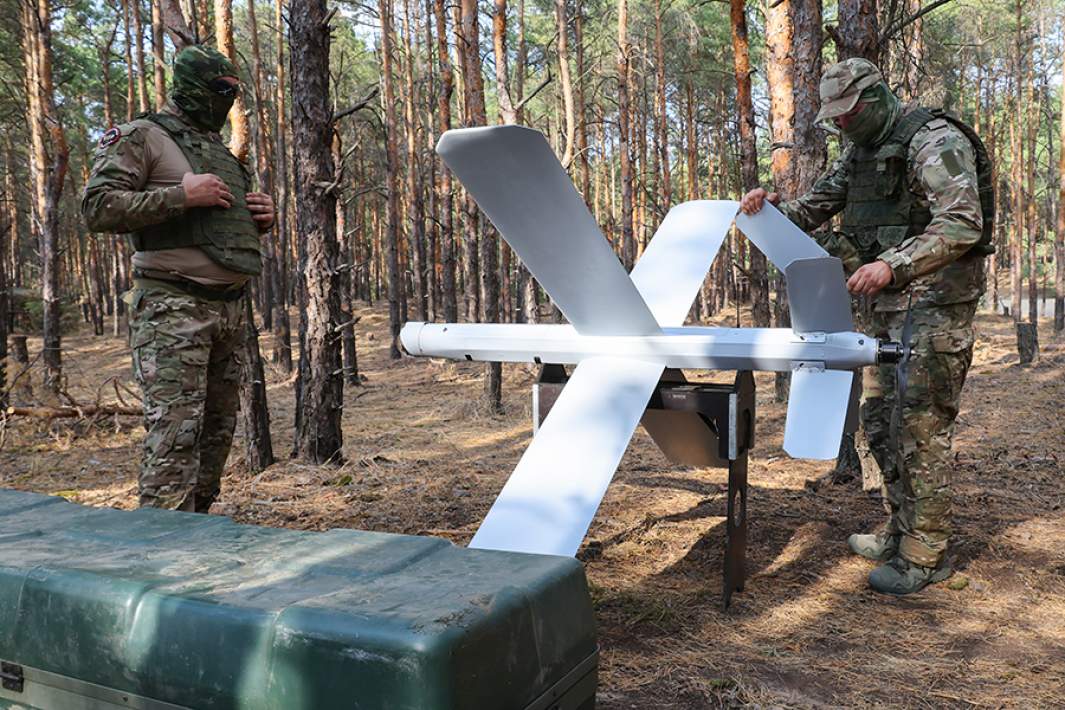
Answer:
(843, 84)
(913, 188)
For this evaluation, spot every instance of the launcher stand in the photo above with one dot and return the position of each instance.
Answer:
(695, 424)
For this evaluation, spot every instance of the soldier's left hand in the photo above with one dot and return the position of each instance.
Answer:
(261, 207)
(870, 279)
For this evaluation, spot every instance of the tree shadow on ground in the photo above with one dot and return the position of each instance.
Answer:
(804, 591)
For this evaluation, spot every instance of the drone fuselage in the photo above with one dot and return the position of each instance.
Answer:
(688, 347)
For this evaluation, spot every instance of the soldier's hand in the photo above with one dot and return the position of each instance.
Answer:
(870, 279)
(206, 190)
(261, 207)
(753, 200)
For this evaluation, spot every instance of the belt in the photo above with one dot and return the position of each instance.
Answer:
(192, 288)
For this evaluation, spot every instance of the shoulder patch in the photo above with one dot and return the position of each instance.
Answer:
(110, 137)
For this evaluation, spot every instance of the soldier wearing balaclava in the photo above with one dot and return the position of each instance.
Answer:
(912, 188)
(168, 181)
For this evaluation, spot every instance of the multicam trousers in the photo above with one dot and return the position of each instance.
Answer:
(917, 471)
(185, 360)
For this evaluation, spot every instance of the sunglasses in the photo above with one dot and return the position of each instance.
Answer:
(223, 88)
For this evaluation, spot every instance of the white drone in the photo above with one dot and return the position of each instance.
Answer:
(625, 329)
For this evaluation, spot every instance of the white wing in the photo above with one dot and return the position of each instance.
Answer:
(549, 501)
(516, 179)
(777, 237)
(673, 266)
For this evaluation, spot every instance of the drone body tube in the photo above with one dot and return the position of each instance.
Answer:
(767, 349)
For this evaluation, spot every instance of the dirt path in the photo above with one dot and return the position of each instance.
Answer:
(806, 631)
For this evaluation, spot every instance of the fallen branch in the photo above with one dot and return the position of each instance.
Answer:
(90, 410)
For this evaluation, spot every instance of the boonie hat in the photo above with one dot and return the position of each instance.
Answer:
(842, 85)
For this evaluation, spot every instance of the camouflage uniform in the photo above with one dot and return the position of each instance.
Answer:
(941, 273)
(184, 358)
(186, 320)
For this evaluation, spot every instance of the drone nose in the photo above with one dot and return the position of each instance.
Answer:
(889, 352)
(409, 336)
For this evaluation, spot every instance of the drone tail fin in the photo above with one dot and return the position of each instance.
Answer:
(820, 408)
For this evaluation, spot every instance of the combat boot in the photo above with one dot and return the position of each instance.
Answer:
(900, 576)
(876, 546)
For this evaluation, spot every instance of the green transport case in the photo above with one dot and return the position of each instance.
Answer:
(153, 609)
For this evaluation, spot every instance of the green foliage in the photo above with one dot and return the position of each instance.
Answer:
(961, 45)
(29, 314)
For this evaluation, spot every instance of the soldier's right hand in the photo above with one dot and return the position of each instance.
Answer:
(206, 190)
(752, 201)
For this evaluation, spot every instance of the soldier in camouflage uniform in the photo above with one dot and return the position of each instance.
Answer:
(914, 189)
(168, 180)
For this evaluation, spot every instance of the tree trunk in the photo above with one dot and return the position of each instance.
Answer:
(104, 52)
(8, 229)
(1016, 164)
(445, 199)
(748, 154)
(1059, 233)
(157, 54)
(21, 375)
(202, 19)
(507, 114)
(642, 192)
(142, 75)
(282, 351)
(475, 115)
(665, 188)
(1027, 342)
(1031, 118)
(263, 162)
(565, 83)
(396, 314)
(256, 412)
(240, 136)
(128, 52)
(320, 385)
(810, 153)
(97, 288)
(258, 444)
(174, 24)
(526, 290)
(432, 225)
(582, 108)
(994, 261)
(347, 315)
(466, 33)
(49, 156)
(628, 243)
(857, 33)
(117, 253)
(414, 186)
(780, 71)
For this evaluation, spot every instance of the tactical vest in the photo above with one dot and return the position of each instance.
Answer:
(881, 211)
(228, 236)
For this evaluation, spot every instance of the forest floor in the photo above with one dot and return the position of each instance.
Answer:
(423, 458)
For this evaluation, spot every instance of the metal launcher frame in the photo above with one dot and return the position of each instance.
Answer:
(694, 424)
